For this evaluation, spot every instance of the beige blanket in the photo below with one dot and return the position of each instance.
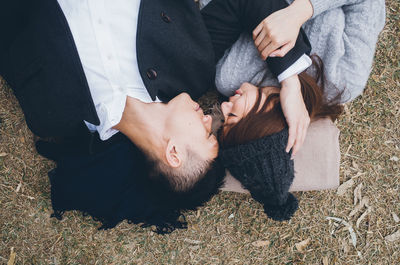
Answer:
(317, 163)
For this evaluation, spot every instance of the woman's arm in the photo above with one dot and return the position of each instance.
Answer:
(348, 54)
(227, 19)
(277, 33)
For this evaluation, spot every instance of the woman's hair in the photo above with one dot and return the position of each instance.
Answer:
(259, 122)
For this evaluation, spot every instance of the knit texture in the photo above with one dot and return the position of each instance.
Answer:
(342, 33)
(266, 170)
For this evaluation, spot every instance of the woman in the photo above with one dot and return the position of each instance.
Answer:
(254, 134)
(344, 35)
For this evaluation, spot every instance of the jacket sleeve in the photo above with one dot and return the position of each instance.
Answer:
(226, 19)
(14, 15)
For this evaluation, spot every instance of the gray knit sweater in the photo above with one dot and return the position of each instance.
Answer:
(342, 32)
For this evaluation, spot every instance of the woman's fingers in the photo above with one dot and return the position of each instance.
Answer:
(299, 141)
(301, 135)
(292, 138)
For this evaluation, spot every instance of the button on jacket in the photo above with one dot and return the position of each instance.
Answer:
(176, 52)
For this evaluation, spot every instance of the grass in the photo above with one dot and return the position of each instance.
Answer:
(224, 230)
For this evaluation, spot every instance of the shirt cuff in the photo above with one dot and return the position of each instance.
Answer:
(108, 119)
(296, 68)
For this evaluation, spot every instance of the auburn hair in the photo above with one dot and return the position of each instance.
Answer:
(260, 122)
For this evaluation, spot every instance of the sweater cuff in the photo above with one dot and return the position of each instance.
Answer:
(319, 6)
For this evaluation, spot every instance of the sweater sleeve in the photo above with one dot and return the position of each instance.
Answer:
(363, 22)
(320, 6)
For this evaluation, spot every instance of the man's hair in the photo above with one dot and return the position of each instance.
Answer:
(171, 203)
(184, 177)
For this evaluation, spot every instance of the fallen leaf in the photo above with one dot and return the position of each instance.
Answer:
(357, 194)
(191, 241)
(394, 158)
(345, 186)
(349, 227)
(11, 260)
(325, 260)
(231, 216)
(3, 154)
(359, 220)
(393, 237)
(194, 247)
(344, 245)
(301, 246)
(18, 187)
(261, 243)
(29, 197)
(395, 218)
(363, 202)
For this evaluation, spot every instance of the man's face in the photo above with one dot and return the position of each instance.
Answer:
(188, 125)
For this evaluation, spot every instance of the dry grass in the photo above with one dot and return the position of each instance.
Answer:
(223, 231)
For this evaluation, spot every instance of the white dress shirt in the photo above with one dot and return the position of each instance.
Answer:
(296, 68)
(104, 33)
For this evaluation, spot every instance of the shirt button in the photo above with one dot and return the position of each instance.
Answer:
(151, 74)
(165, 17)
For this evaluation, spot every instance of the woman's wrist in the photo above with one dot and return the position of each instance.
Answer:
(301, 10)
(292, 83)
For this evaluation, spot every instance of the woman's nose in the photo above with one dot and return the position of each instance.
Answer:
(207, 119)
(226, 107)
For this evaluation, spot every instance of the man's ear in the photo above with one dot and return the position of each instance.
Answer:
(173, 154)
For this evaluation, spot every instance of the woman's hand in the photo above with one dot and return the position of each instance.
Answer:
(277, 34)
(295, 112)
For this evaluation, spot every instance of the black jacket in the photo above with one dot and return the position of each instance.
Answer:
(176, 53)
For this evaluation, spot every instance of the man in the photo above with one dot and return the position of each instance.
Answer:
(176, 136)
(71, 62)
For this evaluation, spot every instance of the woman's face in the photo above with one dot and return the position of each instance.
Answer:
(240, 104)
